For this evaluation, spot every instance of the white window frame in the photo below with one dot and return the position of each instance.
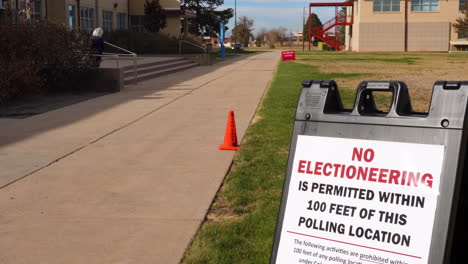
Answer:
(36, 14)
(107, 20)
(120, 25)
(87, 19)
(463, 36)
(137, 27)
(71, 16)
(461, 4)
(385, 6)
(424, 6)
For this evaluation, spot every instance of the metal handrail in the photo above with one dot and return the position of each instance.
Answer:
(118, 55)
(120, 48)
(191, 43)
(107, 55)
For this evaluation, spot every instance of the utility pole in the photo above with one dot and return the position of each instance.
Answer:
(235, 25)
(406, 25)
(303, 24)
(309, 27)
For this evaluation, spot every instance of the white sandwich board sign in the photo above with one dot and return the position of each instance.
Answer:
(360, 201)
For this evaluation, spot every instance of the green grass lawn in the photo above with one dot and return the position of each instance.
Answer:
(241, 224)
(401, 58)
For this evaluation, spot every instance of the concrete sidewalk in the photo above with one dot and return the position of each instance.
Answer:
(124, 178)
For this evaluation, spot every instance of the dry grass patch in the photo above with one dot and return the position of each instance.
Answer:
(221, 210)
(418, 70)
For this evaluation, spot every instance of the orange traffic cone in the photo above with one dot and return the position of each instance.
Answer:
(230, 137)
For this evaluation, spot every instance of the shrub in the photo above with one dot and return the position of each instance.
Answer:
(39, 57)
(149, 43)
(20, 77)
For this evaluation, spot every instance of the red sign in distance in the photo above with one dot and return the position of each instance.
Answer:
(288, 55)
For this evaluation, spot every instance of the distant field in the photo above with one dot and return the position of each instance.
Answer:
(418, 70)
(240, 225)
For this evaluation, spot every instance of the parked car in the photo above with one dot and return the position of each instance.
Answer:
(237, 47)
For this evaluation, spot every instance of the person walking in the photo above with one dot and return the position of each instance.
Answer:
(97, 44)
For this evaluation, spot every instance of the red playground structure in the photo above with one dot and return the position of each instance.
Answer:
(339, 20)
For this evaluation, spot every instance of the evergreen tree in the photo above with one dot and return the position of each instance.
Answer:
(208, 16)
(155, 18)
(315, 23)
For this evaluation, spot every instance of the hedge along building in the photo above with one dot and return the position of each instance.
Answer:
(107, 14)
(407, 25)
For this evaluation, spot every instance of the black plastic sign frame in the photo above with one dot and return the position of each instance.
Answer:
(433, 143)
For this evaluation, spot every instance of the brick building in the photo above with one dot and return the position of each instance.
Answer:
(411, 25)
(107, 14)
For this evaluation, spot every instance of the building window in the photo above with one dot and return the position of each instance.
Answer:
(36, 10)
(26, 11)
(136, 23)
(462, 4)
(121, 21)
(424, 5)
(17, 10)
(463, 34)
(71, 16)
(87, 19)
(2, 14)
(386, 5)
(108, 21)
(22, 4)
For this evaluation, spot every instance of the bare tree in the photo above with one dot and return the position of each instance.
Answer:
(261, 37)
(274, 36)
(282, 35)
(243, 30)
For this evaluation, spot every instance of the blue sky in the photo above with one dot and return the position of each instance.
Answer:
(275, 13)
